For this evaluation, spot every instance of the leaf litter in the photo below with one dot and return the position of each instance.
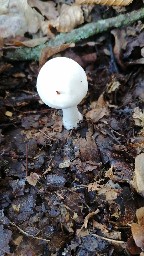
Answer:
(78, 192)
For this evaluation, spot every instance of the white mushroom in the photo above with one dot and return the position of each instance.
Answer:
(62, 84)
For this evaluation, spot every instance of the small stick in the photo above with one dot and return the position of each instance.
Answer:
(28, 235)
(112, 241)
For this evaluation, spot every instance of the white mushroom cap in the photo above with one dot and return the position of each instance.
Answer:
(62, 83)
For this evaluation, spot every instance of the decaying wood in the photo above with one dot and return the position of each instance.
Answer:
(105, 2)
(90, 29)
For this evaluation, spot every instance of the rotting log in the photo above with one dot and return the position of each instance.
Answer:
(84, 32)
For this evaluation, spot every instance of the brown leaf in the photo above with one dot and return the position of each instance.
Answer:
(138, 234)
(88, 149)
(138, 181)
(86, 220)
(109, 190)
(99, 110)
(120, 44)
(33, 178)
(140, 216)
(5, 67)
(31, 43)
(93, 186)
(47, 9)
(132, 248)
(70, 17)
(18, 19)
(138, 116)
(47, 52)
(18, 240)
(113, 85)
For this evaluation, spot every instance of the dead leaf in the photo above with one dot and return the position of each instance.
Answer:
(18, 18)
(138, 180)
(31, 43)
(16, 208)
(4, 6)
(5, 67)
(132, 248)
(18, 240)
(8, 113)
(93, 186)
(110, 190)
(33, 178)
(47, 9)
(86, 220)
(113, 85)
(134, 40)
(138, 116)
(70, 17)
(47, 52)
(88, 149)
(140, 216)
(120, 44)
(138, 234)
(99, 110)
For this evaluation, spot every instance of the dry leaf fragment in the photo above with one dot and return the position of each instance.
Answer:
(47, 52)
(99, 110)
(31, 43)
(86, 220)
(138, 234)
(64, 164)
(33, 178)
(4, 6)
(113, 85)
(47, 9)
(18, 19)
(138, 228)
(140, 216)
(8, 113)
(88, 149)
(138, 116)
(138, 181)
(18, 240)
(105, 2)
(70, 17)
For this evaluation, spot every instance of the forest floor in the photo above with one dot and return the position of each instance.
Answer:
(74, 192)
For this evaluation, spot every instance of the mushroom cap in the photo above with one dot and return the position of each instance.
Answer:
(62, 83)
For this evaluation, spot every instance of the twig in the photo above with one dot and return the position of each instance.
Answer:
(112, 241)
(28, 235)
(90, 29)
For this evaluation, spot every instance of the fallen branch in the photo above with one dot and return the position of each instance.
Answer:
(90, 29)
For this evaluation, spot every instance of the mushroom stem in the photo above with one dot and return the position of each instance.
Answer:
(71, 117)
